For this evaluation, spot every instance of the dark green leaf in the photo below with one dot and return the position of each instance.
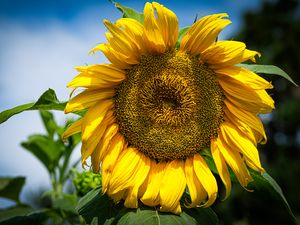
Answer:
(151, 216)
(266, 185)
(45, 149)
(97, 209)
(129, 13)
(96, 205)
(11, 187)
(19, 210)
(203, 216)
(47, 101)
(180, 36)
(35, 218)
(268, 69)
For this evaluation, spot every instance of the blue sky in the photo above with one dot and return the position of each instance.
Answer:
(40, 44)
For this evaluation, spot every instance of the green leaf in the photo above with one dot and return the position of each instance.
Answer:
(5, 115)
(181, 33)
(96, 205)
(19, 210)
(151, 216)
(203, 216)
(47, 101)
(129, 13)
(49, 122)
(66, 202)
(268, 69)
(34, 218)
(11, 187)
(266, 185)
(45, 149)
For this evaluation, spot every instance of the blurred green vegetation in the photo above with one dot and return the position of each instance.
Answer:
(273, 30)
(56, 205)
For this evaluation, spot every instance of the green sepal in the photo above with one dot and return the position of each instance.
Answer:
(268, 69)
(129, 12)
(181, 33)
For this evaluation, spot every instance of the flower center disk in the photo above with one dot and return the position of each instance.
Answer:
(169, 106)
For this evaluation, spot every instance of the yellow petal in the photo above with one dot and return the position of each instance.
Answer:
(234, 161)
(240, 143)
(118, 196)
(87, 99)
(101, 149)
(73, 129)
(152, 184)
(117, 59)
(94, 117)
(121, 42)
(257, 101)
(153, 37)
(240, 125)
(221, 166)
(244, 76)
(125, 170)
(206, 178)
(93, 127)
(203, 33)
(135, 30)
(107, 72)
(168, 25)
(196, 190)
(142, 171)
(172, 187)
(244, 119)
(88, 81)
(114, 149)
(227, 53)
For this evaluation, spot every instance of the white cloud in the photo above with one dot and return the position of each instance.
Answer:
(33, 59)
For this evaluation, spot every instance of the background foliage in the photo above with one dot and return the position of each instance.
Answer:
(274, 30)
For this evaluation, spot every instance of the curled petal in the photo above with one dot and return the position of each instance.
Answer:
(234, 161)
(227, 53)
(195, 188)
(203, 33)
(152, 183)
(221, 166)
(240, 143)
(114, 149)
(172, 187)
(206, 178)
(240, 75)
(160, 34)
(102, 147)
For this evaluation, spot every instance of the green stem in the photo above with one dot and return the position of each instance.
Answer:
(62, 171)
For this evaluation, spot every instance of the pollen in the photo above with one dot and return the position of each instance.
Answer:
(169, 106)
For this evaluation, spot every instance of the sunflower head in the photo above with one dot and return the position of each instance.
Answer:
(155, 108)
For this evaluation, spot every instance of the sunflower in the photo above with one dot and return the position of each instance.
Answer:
(155, 108)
